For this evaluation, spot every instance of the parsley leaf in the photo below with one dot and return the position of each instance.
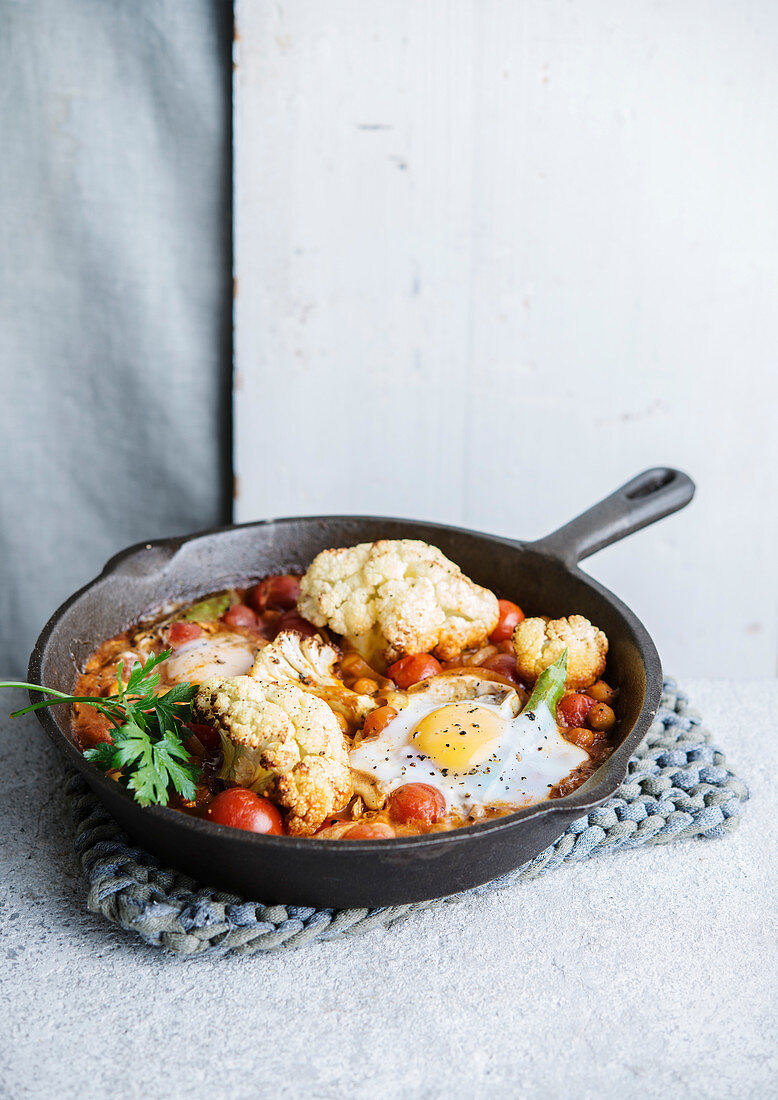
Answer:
(147, 749)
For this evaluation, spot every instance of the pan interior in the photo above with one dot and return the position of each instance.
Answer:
(147, 576)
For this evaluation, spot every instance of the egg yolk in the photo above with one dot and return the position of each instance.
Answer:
(459, 736)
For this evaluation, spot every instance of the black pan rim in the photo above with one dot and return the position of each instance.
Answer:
(577, 801)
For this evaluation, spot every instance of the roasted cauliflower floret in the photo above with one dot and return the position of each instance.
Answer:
(396, 597)
(538, 644)
(282, 742)
(308, 663)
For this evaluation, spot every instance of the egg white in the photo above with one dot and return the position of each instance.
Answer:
(530, 758)
(216, 655)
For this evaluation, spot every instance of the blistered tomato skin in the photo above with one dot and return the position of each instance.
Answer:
(291, 620)
(240, 617)
(505, 665)
(242, 809)
(208, 736)
(416, 804)
(510, 616)
(181, 633)
(410, 670)
(277, 593)
(573, 709)
(368, 830)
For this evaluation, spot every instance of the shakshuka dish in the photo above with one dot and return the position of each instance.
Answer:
(383, 693)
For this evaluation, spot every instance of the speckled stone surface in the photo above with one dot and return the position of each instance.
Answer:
(647, 973)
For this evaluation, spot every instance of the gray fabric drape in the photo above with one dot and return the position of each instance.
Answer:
(115, 288)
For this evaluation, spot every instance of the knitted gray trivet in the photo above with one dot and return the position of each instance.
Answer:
(677, 786)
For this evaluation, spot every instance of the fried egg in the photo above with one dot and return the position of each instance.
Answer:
(212, 655)
(479, 751)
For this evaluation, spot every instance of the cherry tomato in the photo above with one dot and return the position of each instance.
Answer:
(240, 616)
(505, 665)
(208, 736)
(601, 718)
(409, 670)
(291, 620)
(573, 709)
(378, 720)
(181, 633)
(417, 803)
(277, 593)
(326, 824)
(368, 830)
(510, 615)
(242, 809)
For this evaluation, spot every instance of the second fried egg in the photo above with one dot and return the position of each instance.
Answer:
(480, 752)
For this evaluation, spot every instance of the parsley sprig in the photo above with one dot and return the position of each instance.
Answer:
(147, 748)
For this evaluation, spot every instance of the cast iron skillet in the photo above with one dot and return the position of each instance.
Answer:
(543, 576)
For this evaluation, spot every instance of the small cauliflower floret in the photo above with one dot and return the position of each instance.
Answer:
(308, 663)
(279, 741)
(397, 597)
(538, 644)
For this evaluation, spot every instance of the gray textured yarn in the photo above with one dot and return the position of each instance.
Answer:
(677, 786)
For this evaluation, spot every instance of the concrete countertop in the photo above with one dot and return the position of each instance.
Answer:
(646, 973)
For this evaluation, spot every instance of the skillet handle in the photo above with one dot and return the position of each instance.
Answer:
(648, 497)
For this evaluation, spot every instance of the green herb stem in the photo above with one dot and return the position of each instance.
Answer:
(550, 686)
(149, 730)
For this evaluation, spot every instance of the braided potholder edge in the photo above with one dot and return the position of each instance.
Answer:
(677, 787)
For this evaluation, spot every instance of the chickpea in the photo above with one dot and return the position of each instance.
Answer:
(601, 692)
(352, 662)
(601, 718)
(365, 686)
(582, 737)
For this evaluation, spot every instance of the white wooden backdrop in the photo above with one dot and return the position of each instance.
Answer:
(493, 257)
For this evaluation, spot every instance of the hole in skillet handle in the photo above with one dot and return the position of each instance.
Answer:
(643, 500)
(649, 482)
